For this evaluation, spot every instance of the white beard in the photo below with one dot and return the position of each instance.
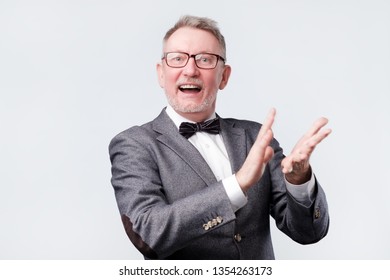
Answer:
(191, 108)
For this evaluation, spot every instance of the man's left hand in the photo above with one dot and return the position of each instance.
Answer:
(296, 166)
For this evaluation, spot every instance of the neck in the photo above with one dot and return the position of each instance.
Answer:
(202, 116)
(196, 117)
(178, 118)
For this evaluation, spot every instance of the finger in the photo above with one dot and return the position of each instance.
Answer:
(267, 125)
(264, 151)
(314, 135)
(302, 153)
(287, 166)
(310, 144)
(288, 163)
(260, 152)
(317, 125)
(318, 137)
(269, 153)
(262, 143)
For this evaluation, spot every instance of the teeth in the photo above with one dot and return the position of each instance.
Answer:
(188, 86)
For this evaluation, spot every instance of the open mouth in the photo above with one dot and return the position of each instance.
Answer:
(190, 88)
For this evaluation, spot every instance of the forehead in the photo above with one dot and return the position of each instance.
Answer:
(192, 40)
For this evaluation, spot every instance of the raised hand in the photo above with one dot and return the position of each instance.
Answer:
(258, 156)
(296, 166)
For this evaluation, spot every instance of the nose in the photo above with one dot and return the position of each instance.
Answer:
(191, 69)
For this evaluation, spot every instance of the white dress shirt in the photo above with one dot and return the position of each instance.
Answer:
(214, 152)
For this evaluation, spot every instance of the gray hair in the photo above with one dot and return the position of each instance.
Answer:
(202, 23)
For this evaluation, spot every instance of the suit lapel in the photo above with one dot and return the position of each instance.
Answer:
(235, 143)
(171, 138)
(234, 139)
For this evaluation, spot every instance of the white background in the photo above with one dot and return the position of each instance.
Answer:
(75, 73)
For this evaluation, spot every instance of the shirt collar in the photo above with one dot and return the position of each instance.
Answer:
(178, 119)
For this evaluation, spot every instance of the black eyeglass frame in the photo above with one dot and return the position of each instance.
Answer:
(193, 56)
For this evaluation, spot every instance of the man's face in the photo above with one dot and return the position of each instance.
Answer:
(192, 91)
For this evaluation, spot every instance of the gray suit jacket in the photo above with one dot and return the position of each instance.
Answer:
(173, 207)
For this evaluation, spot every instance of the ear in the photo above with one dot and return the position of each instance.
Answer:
(225, 76)
(160, 74)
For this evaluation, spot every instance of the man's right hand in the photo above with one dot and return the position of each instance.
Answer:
(259, 155)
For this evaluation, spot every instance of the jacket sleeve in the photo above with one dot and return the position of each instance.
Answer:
(304, 224)
(158, 227)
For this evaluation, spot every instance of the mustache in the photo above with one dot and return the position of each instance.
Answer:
(193, 81)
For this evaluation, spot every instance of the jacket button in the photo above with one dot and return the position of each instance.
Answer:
(237, 237)
(317, 213)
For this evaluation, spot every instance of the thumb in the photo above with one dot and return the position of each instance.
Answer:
(269, 153)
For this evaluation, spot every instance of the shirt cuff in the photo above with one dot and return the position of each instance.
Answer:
(237, 197)
(303, 193)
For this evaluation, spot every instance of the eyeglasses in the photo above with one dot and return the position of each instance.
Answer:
(202, 60)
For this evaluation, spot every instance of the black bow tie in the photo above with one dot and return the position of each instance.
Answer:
(188, 129)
